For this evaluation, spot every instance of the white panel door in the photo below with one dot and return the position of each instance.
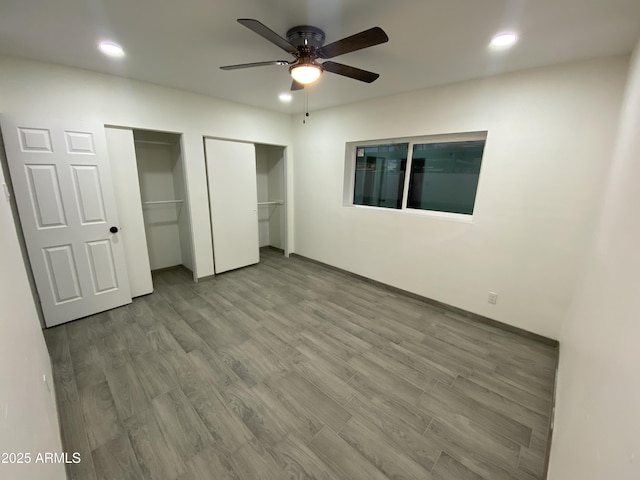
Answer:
(62, 182)
(233, 196)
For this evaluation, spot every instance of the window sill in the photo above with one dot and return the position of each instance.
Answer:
(447, 216)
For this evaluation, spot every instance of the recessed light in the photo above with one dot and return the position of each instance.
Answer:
(504, 40)
(285, 97)
(110, 48)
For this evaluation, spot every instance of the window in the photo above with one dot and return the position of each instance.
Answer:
(443, 173)
(379, 178)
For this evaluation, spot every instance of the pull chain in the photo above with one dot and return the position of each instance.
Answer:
(306, 107)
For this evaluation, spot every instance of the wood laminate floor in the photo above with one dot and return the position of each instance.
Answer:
(291, 370)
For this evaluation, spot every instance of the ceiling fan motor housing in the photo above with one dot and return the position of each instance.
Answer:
(306, 36)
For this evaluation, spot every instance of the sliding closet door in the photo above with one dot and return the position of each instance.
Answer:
(231, 172)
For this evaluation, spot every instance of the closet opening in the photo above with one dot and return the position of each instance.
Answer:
(247, 201)
(270, 177)
(164, 201)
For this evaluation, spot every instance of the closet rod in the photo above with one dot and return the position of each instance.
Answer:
(276, 202)
(153, 142)
(158, 202)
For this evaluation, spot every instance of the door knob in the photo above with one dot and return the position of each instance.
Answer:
(113, 229)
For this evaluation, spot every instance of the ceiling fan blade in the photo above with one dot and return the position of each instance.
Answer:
(368, 38)
(351, 72)
(255, 64)
(269, 34)
(296, 86)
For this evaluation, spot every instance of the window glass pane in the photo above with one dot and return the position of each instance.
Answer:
(444, 176)
(380, 171)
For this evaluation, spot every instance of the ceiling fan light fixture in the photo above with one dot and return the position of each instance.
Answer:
(305, 73)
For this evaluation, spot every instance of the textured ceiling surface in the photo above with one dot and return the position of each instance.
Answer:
(182, 44)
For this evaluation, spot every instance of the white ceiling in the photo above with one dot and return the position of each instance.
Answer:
(181, 43)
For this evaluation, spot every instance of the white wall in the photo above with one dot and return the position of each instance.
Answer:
(271, 184)
(598, 398)
(156, 164)
(184, 226)
(262, 181)
(276, 179)
(28, 418)
(550, 133)
(46, 90)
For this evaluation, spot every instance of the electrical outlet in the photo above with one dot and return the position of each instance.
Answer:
(493, 298)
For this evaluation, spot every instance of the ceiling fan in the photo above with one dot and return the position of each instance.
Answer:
(306, 44)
